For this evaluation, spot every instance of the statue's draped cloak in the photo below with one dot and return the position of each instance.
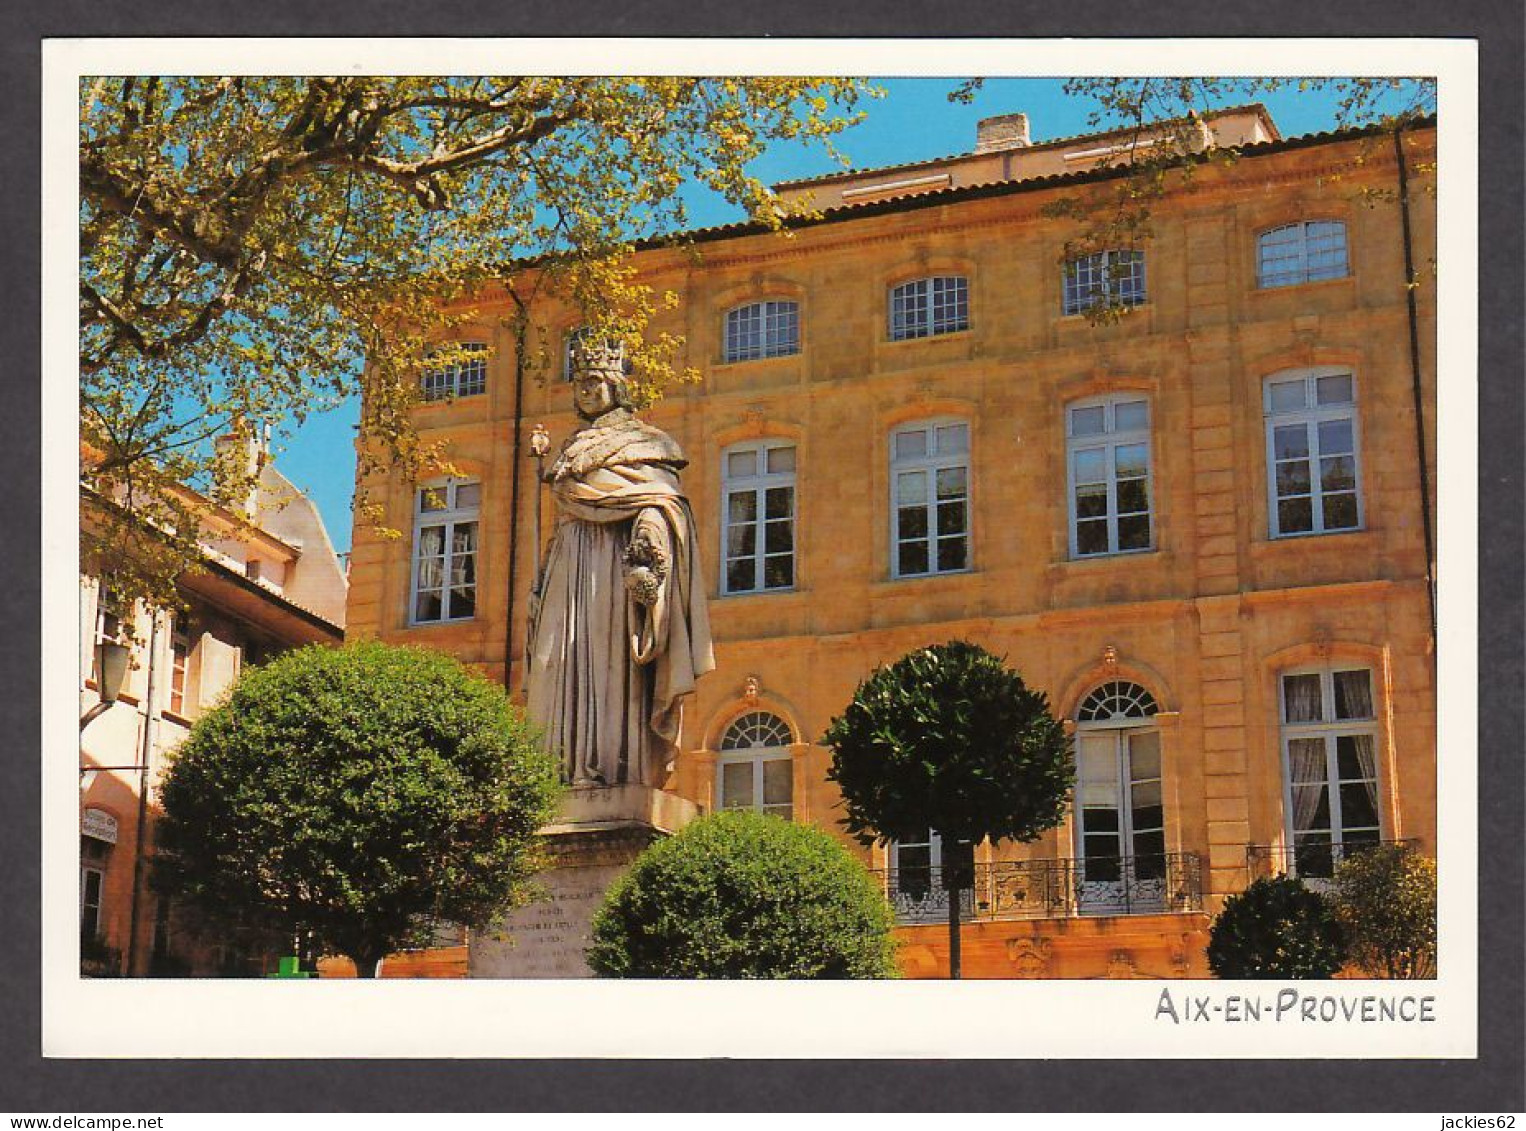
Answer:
(607, 675)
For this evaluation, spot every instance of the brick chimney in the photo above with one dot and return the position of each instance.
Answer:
(1007, 131)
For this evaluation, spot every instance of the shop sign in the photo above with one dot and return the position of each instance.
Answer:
(99, 824)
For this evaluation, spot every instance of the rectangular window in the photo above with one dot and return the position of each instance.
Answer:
(1108, 456)
(91, 881)
(1329, 746)
(1106, 278)
(759, 493)
(108, 626)
(763, 783)
(1311, 454)
(929, 472)
(939, 305)
(466, 378)
(180, 653)
(762, 329)
(1301, 253)
(445, 551)
(915, 872)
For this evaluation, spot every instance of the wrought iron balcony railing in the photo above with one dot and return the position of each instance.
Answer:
(1313, 862)
(1052, 889)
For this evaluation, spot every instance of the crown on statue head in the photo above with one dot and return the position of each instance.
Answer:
(590, 357)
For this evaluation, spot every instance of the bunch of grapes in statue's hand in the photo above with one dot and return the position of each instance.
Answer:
(646, 568)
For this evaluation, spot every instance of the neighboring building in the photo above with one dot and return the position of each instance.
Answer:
(271, 582)
(1202, 530)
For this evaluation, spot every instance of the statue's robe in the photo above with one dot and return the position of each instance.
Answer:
(607, 673)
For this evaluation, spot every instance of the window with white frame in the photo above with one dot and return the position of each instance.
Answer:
(446, 516)
(1105, 278)
(1330, 766)
(756, 770)
(1108, 458)
(464, 378)
(1120, 814)
(1313, 469)
(923, 307)
(929, 473)
(1301, 253)
(108, 625)
(759, 490)
(762, 329)
(915, 871)
(180, 655)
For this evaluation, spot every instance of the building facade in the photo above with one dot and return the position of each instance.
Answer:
(1201, 528)
(271, 581)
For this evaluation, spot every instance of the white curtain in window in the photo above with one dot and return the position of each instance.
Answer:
(1353, 695)
(1306, 763)
(1301, 696)
(1366, 755)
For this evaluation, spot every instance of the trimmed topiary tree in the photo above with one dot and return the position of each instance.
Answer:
(744, 895)
(949, 738)
(356, 794)
(1276, 928)
(1385, 899)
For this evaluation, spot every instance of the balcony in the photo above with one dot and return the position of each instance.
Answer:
(1312, 862)
(1053, 889)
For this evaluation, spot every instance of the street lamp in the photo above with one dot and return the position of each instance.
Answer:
(111, 664)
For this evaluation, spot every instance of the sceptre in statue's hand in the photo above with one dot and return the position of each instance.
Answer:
(540, 444)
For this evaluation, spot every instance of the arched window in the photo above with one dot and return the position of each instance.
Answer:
(1120, 814)
(466, 378)
(1305, 252)
(756, 767)
(923, 307)
(762, 329)
(1107, 442)
(1118, 700)
(759, 490)
(929, 476)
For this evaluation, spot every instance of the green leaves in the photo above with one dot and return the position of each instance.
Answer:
(259, 248)
(949, 738)
(1276, 928)
(744, 895)
(356, 793)
(1385, 899)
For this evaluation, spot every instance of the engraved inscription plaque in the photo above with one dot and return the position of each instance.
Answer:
(546, 939)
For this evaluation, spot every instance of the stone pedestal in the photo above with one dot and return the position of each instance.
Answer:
(596, 835)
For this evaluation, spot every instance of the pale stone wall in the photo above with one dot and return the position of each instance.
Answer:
(1205, 621)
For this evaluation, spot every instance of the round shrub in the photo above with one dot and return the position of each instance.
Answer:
(1385, 899)
(744, 895)
(356, 794)
(948, 737)
(1276, 928)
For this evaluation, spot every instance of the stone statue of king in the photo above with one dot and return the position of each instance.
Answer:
(618, 632)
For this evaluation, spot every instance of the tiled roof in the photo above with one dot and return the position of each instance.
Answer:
(1045, 144)
(938, 197)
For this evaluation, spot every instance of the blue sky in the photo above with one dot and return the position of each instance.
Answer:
(913, 121)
